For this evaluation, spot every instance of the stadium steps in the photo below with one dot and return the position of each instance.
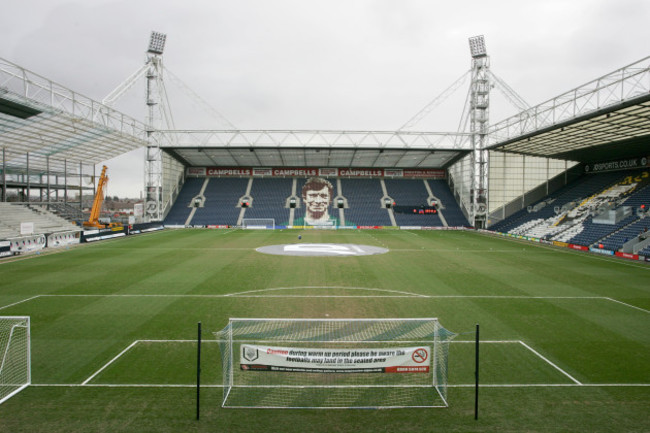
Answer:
(364, 201)
(269, 199)
(411, 192)
(45, 222)
(182, 207)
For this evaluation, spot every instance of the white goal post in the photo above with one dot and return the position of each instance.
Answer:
(258, 223)
(334, 363)
(15, 355)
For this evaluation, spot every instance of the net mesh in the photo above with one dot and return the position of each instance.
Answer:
(281, 386)
(258, 223)
(14, 356)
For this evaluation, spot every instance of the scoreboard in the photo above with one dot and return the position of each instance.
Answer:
(415, 210)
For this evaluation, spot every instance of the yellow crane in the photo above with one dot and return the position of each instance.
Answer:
(95, 212)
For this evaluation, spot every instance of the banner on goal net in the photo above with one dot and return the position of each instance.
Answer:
(15, 372)
(334, 363)
(319, 360)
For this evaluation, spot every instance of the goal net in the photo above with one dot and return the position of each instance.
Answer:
(334, 363)
(15, 372)
(258, 223)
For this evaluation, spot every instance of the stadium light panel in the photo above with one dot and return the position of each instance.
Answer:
(477, 46)
(157, 43)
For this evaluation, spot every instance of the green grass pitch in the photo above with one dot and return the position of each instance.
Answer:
(565, 335)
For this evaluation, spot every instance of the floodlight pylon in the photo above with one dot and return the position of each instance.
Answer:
(157, 43)
(479, 111)
(154, 96)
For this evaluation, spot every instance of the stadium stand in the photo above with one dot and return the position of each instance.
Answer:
(574, 214)
(411, 192)
(590, 233)
(448, 206)
(181, 209)
(364, 201)
(566, 198)
(44, 221)
(615, 241)
(269, 198)
(221, 206)
(67, 212)
(645, 251)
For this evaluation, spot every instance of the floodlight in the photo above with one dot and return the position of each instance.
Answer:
(477, 46)
(157, 43)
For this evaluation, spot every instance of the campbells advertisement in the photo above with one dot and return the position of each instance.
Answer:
(339, 360)
(229, 171)
(295, 172)
(312, 171)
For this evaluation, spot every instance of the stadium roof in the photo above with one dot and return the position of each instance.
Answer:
(368, 149)
(56, 125)
(605, 119)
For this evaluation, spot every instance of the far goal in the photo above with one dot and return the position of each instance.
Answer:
(334, 363)
(15, 372)
(258, 223)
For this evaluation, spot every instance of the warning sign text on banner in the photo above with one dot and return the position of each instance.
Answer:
(340, 360)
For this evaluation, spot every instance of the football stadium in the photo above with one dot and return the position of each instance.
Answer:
(489, 279)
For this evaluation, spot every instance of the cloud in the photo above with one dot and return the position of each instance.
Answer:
(335, 64)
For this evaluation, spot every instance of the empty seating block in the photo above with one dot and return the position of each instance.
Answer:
(451, 212)
(364, 201)
(221, 205)
(182, 206)
(269, 199)
(411, 192)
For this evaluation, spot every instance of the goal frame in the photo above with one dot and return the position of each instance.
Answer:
(437, 382)
(261, 224)
(5, 352)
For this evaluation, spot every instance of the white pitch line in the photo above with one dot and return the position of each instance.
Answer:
(20, 302)
(110, 362)
(628, 305)
(398, 294)
(486, 341)
(553, 385)
(462, 385)
(324, 296)
(245, 294)
(551, 363)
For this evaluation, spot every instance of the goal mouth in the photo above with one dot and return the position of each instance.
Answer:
(15, 371)
(325, 292)
(334, 363)
(308, 249)
(333, 398)
(258, 224)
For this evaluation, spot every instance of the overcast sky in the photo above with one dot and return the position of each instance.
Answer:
(328, 64)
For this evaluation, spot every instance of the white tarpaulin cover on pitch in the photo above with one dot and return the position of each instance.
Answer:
(339, 360)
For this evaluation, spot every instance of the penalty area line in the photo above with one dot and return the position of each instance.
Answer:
(577, 382)
(628, 305)
(20, 302)
(85, 382)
